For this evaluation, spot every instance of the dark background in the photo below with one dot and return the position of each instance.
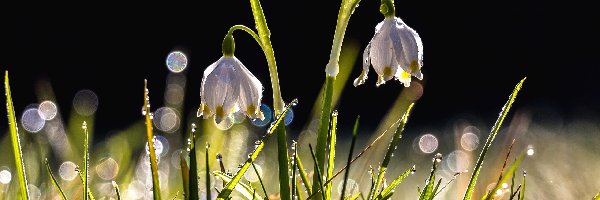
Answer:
(474, 53)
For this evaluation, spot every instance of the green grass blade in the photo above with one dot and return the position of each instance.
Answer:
(15, 140)
(283, 159)
(89, 192)
(207, 168)
(86, 159)
(490, 139)
(504, 179)
(427, 193)
(185, 176)
(347, 173)
(150, 137)
(259, 179)
(435, 189)
(60, 191)
(238, 176)
(354, 197)
(390, 151)
(319, 174)
(396, 182)
(322, 130)
(331, 157)
(242, 188)
(117, 190)
(302, 173)
(192, 179)
(522, 192)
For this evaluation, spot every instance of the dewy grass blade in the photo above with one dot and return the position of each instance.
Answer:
(150, 137)
(242, 188)
(15, 140)
(89, 192)
(396, 182)
(86, 159)
(390, 151)
(331, 160)
(428, 192)
(303, 175)
(60, 191)
(522, 192)
(260, 179)
(490, 139)
(347, 174)
(319, 181)
(193, 168)
(238, 176)
(504, 178)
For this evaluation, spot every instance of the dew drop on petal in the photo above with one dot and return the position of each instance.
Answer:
(176, 61)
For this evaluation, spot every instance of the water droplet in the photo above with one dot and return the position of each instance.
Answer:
(219, 157)
(438, 157)
(143, 111)
(176, 61)
(47, 110)
(266, 112)
(334, 113)
(84, 125)
(530, 151)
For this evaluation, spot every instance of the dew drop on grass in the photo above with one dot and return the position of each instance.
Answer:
(32, 121)
(47, 110)
(158, 147)
(428, 143)
(266, 112)
(530, 151)
(67, 171)
(176, 61)
(5, 176)
(469, 141)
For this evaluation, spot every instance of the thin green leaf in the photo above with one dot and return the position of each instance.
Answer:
(347, 174)
(435, 189)
(522, 192)
(490, 139)
(504, 179)
(259, 179)
(207, 172)
(150, 137)
(185, 176)
(60, 191)
(15, 140)
(283, 160)
(319, 181)
(331, 160)
(514, 194)
(390, 151)
(247, 191)
(427, 193)
(353, 197)
(322, 131)
(117, 190)
(86, 159)
(89, 192)
(238, 176)
(303, 175)
(390, 188)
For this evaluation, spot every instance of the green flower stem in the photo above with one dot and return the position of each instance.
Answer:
(264, 36)
(387, 8)
(332, 69)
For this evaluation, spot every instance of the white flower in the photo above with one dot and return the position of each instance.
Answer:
(228, 84)
(395, 51)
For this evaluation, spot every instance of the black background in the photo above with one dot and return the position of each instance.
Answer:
(474, 53)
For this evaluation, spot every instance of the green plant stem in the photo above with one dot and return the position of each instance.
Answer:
(60, 191)
(150, 137)
(387, 8)
(322, 132)
(15, 140)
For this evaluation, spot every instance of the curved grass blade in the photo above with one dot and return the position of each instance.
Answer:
(150, 137)
(347, 174)
(504, 179)
(259, 179)
(490, 139)
(331, 160)
(428, 193)
(302, 173)
(15, 140)
(238, 176)
(390, 151)
(60, 191)
(242, 188)
(390, 188)
(117, 190)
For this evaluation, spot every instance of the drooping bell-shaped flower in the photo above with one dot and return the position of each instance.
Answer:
(395, 51)
(228, 84)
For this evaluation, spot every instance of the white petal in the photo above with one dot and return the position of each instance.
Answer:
(382, 52)
(250, 93)
(365, 71)
(403, 77)
(412, 50)
(220, 88)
